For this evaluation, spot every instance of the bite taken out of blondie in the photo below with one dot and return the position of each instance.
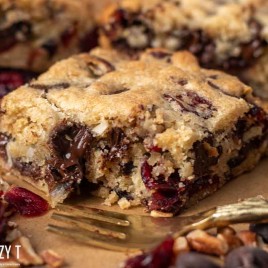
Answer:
(158, 130)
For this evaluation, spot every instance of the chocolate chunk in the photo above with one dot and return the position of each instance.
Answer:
(127, 168)
(260, 229)
(193, 103)
(123, 194)
(3, 143)
(27, 169)
(70, 145)
(247, 257)
(194, 260)
(203, 159)
(9, 36)
(118, 144)
(98, 66)
(200, 44)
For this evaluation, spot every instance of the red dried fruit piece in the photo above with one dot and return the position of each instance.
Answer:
(9, 80)
(146, 175)
(25, 202)
(160, 257)
(165, 199)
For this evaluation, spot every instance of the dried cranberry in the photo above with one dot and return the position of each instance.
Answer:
(146, 175)
(165, 199)
(25, 202)
(156, 149)
(9, 81)
(160, 257)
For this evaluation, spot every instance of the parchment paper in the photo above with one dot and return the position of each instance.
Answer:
(78, 255)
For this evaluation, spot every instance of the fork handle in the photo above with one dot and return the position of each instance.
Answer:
(247, 211)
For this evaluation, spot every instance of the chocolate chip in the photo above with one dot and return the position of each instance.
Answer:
(194, 260)
(193, 103)
(28, 169)
(46, 88)
(158, 54)
(247, 257)
(123, 194)
(127, 168)
(213, 85)
(9, 36)
(98, 66)
(260, 229)
(180, 81)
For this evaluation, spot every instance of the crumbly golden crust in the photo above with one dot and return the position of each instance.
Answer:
(37, 33)
(137, 127)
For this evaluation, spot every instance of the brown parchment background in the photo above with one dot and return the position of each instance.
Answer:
(78, 255)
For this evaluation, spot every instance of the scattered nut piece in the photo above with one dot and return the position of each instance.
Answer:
(229, 235)
(202, 242)
(227, 230)
(27, 255)
(181, 245)
(52, 258)
(248, 238)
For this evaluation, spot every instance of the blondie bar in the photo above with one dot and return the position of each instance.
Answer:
(227, 35)
(158, 130)
(35, 34)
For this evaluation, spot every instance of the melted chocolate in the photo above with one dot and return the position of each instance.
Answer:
(70, 145)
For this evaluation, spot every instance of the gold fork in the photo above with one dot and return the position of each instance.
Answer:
(121, 232)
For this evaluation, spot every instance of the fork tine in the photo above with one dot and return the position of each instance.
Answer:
(95, 239)
(87, 224)
(94, 214)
